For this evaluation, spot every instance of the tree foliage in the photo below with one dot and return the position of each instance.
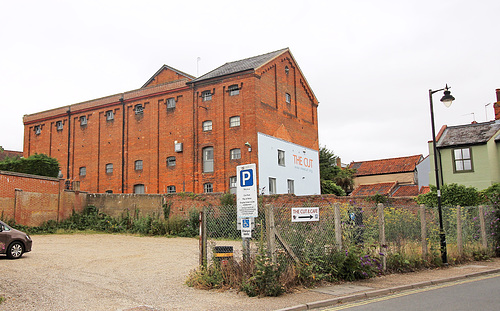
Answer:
(333, 178)
(37, 164)
(451, 195)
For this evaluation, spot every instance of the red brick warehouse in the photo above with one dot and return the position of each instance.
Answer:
(180, 133)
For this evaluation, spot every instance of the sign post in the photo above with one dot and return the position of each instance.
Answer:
(246, 203)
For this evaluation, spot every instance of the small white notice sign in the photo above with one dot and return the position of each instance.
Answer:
(301, 214)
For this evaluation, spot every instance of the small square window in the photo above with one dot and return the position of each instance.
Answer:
(281, 158)
(234, 121)
(233, 90)
(171, 161)
(272, 185)
(170, 103)
(463, 160)
(208, 187)
(59, 125)
(138, 165)
(109, 168)
(38, 130)
(139, 109)
(83, 120)
(83, 171)
(110, 115)
(171, 189)
(206, 96)
(288, 98)
(235, 154)
(207, 126)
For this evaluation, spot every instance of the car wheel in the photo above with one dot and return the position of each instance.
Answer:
(15, 250)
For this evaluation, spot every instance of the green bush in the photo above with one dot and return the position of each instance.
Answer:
(37, 164)
(451, 195)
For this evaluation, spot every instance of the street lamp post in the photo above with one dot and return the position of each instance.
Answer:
(447, 100)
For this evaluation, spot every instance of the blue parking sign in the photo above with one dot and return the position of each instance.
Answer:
(246, 178)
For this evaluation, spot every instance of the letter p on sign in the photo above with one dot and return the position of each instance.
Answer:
(246, 178)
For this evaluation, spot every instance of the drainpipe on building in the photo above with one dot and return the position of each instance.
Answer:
(69, 141)
(123, 144)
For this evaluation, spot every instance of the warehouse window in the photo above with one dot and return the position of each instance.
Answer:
(208, 160)
(83, 120)
(288, 98)
(83, 171)
(232, 184)
(109, 168)
(171, 189)
(110, 115)
(235, 154)
(207, 126)
(208, 187)
(234, 121)
(170, 103)
(233, 90)
(171, 161)
(206, 96)
(139, 189)
(138, 165)
(139, 109)
(37, 129)
(59, 125)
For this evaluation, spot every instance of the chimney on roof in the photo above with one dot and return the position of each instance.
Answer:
(497, 106)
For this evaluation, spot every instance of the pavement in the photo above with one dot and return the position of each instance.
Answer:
(395, 283)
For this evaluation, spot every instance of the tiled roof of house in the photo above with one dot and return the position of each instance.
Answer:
(386, 166)
(405, 191)
(11, 154)
(241, 65)
(372, 189)
(424, 190)
(468, 134)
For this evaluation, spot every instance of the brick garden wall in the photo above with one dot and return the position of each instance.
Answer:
(32, 200)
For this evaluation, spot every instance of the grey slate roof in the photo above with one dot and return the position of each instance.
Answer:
(240, 65)
(469, 134)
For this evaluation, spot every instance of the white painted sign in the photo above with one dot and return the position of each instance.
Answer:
(246, 191)
(246, 233)
(301, 214)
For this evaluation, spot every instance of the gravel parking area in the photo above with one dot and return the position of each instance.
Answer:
(121, 272)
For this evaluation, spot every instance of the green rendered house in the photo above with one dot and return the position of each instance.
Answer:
(468, 155)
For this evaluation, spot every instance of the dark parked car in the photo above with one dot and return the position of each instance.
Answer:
(13, 243)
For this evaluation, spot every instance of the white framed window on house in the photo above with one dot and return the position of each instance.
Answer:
(139, 189)
(281, 157)
(234, 121)
(59, 125)
(272, 185)
(170, 103)
(233, 90)
(291, 186)
(110, 115)
(208, 187)
(462, 158)
(138, 109)
(207, 125)
(171, 161)
(109, 168)
(235, 154)
(171, 189)
(206, 96)
(232, 184)
(83, 171)
(208, 159)
(138, 165)
(83, 120)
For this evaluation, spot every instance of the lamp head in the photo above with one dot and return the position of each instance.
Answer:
(447, 98)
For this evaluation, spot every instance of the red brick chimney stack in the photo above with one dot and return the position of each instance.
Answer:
(497, 106)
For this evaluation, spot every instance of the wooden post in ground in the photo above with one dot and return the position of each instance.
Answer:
(338, 227)
(203, 237)
(423, 231)
(381, 228)
(484, 242)
(270, 232)
(460, 243)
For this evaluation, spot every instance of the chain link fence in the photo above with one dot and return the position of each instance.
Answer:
(385, 230)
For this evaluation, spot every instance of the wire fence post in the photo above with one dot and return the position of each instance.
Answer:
(203, 237)
(270, 232)
(423, 230)
(381, 224)
(460, 242)
(484, 242)
(338, 228)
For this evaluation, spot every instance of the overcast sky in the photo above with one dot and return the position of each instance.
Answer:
(370, 63)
